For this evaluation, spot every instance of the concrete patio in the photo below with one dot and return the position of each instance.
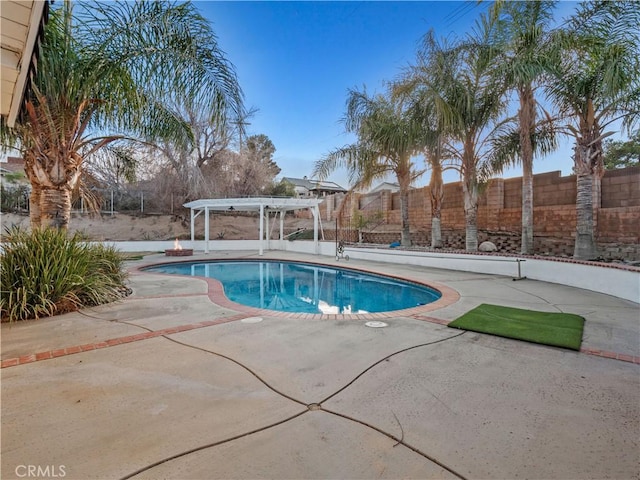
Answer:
(172, 383)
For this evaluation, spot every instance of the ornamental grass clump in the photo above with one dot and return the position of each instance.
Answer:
(46, 272)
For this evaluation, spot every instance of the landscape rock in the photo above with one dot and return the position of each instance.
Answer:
(488, 247)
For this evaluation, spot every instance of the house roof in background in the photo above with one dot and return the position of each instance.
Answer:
(299, 182)
(312, 185)
(385, 186)
(22, 28)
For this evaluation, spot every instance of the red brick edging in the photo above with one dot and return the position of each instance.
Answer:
(36, 357)
(588, 351)
(613, 355)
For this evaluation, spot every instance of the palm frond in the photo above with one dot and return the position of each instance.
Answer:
(130, 60)
(340, 157)
(600, 74)
(168, 47)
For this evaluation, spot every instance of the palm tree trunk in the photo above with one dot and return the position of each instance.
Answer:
(52, 181)
(436, 190)
(470, 191)
(526, 116)
(49, 207)
(55, 207)
(526, 242)
(587, 164)
(404, 179)
(34, 206)
(585, 246)
(405, 235)
(436, 233)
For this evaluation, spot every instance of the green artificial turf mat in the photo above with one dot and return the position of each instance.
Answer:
(556, 329)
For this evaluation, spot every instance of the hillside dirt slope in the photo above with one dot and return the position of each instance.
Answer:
(122, 227)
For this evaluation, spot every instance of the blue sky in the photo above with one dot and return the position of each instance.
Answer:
(296, 62)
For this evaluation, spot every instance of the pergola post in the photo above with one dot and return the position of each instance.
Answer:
(267, 230)
(281, 227)
(194, 215)
(193, 225)
(261, 250)
(206, 229)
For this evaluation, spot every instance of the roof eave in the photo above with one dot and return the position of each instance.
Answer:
(24, 64)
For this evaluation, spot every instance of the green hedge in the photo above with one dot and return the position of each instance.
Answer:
(46, 272)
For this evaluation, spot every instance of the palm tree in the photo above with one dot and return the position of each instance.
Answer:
(387, 139)
(597, 83)
(107, 72)
(529, 56)
(436, 191)
(434, 156)
(468, 100)
(415, 89)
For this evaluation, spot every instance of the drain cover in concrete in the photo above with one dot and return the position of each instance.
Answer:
(251, 320)
(374, 324)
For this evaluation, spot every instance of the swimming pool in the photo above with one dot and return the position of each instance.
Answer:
(306, 288)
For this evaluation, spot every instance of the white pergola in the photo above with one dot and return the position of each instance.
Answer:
(263, 205)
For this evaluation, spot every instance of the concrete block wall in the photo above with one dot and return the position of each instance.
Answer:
(499, 214)
(621, 224)
(621, 188)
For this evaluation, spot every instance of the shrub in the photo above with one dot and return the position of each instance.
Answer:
(46, 272)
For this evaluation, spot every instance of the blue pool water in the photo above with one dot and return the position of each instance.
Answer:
(306, 288)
